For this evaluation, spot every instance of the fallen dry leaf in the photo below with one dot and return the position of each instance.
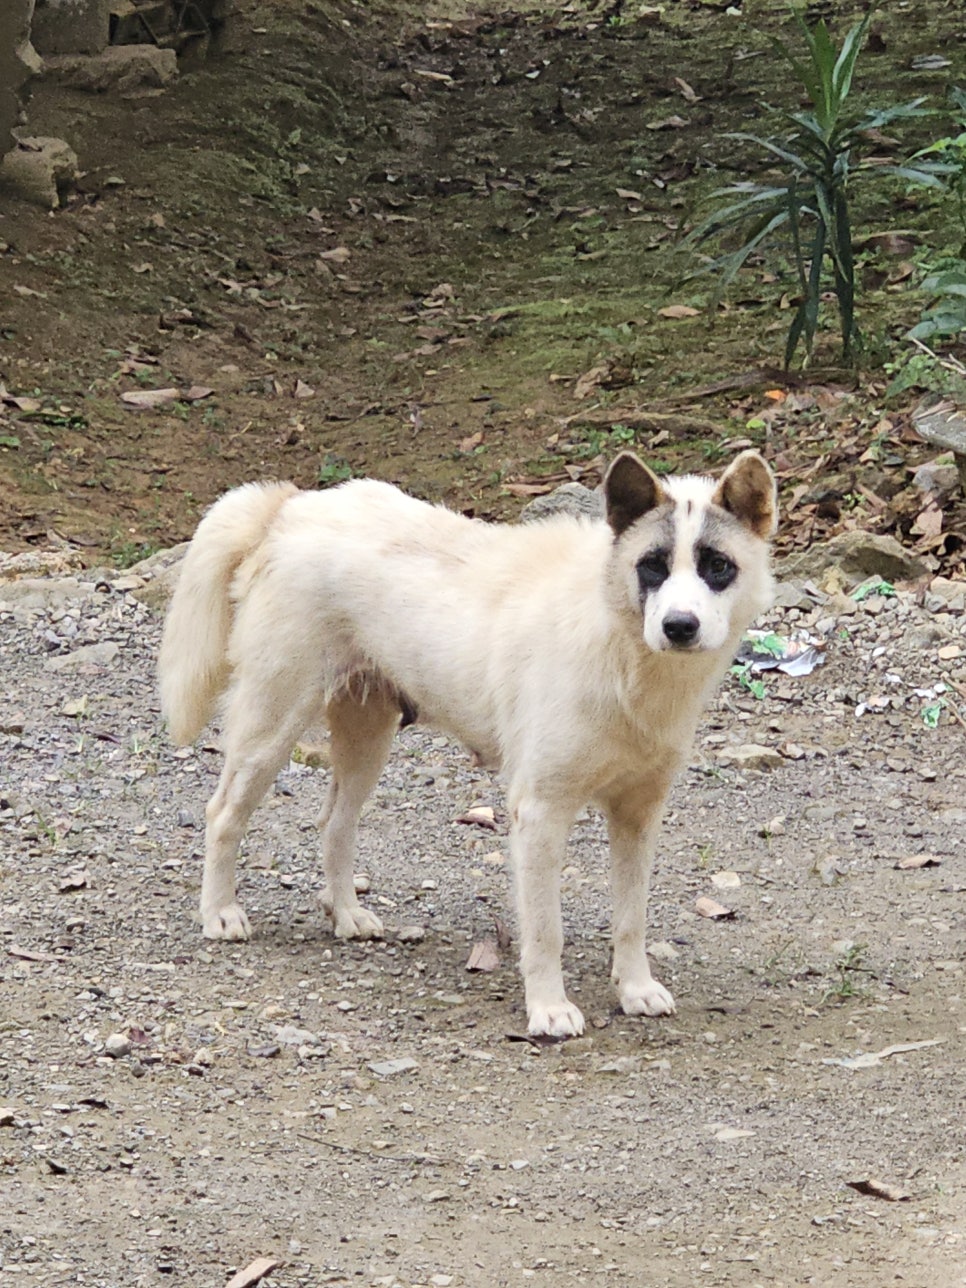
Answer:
(912, 861)
(503, 937)
(148, 398)
(481, 815)
(734, 1133)
(929, 522)
(879, 1190)
(338, 255)
(530, 489)
(667, 123)
(252, 1273)
(678, 311)
(28, 955)
(484, 956)
(708, 907)
(589, 381)
(686, 91)
(195, 393)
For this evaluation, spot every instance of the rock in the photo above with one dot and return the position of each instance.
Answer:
(40, 593)
(388, 1068)
(124, 69)
(570, 498)
(858, 555)
(289, 1035)
(38, 563)
(160, 573)
(792, 594)
(41, 170)
(117, 1046)
(750, 755)
(946, 595)
(942, 425)
(936, 479)
(89, 655)
(411, 934)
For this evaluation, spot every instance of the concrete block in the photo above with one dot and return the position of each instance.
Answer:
(71, 26)
(40, 170)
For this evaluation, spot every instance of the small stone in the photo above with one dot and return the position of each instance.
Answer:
(411, 934)
(117, 1046)
(750, 756)
(102, 654)
(389, 1068)
(725, 880)
(289, 1035)
(570, 498)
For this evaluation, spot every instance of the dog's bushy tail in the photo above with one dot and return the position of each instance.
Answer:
(193, 665)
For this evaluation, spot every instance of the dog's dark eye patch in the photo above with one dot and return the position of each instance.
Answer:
(715, 569)
(652, 570)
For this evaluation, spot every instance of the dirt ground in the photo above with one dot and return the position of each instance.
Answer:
(373, 269)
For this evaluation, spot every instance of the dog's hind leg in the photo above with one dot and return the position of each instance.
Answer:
(361, 734)
(258, 742)
(633, 821)
(538, 842)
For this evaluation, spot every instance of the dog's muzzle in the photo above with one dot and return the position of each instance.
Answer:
(681, 629)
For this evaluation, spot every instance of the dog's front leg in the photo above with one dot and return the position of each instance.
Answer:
(633, 822)
(538, 840)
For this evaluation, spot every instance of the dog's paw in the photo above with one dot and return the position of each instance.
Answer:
(560, 1020)
(356, 922)
(226, 923)
(647, 998)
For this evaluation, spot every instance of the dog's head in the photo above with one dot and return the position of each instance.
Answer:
(692, 551)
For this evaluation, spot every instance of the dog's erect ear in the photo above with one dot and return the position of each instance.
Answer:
(630, 490)
(747, 490)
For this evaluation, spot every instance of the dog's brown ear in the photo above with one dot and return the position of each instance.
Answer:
(747, 490)
(630, 490)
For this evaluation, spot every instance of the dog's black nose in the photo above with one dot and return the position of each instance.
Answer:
(681, 628)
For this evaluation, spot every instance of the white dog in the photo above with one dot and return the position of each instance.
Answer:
(574, 655)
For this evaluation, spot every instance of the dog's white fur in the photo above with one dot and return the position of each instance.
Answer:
(533, 644)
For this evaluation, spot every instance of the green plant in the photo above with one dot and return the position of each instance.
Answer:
(808, 209)
(849, 966)
(333, 469)
(746, 678)
(946, 315)
(946, 157)
(921, 368)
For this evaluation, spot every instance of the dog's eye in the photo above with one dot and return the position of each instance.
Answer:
(716, 570)
(652, 571)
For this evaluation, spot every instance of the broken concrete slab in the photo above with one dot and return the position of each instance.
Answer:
(41, 170)
(123, 69)
(943, 424)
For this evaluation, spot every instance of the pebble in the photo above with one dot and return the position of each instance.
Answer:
(117, 1046)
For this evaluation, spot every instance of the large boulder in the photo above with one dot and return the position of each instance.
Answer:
(857, 555)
